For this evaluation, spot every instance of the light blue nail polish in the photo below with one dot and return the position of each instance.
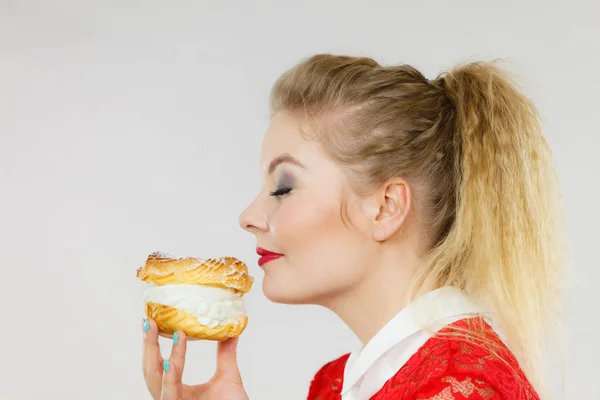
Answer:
(166, 366)
(175, 338)
(146, 325)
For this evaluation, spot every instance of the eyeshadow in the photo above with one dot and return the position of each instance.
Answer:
(284, 180)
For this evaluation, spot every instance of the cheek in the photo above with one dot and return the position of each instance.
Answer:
(323, 257)
(303, 223)
(320, 251)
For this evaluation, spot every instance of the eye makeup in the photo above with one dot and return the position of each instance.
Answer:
(284, 185)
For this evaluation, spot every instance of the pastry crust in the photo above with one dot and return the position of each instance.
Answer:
(226, 272)
(170, 319)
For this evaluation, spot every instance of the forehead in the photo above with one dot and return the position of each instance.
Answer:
(285, 129)
(287, 134)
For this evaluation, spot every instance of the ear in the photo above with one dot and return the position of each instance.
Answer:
(388, 208)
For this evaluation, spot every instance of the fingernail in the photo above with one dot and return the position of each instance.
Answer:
(175, 338)
(146, 325)
(166, 366)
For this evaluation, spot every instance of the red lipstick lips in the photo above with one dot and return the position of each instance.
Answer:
(266, 256)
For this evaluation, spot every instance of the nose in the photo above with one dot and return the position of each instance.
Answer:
(254, 219)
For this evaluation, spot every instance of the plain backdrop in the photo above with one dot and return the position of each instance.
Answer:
(128, 127)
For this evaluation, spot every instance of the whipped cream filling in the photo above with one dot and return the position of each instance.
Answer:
(212, 306)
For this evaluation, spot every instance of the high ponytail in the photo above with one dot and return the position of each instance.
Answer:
(506, 246)
(470, 145)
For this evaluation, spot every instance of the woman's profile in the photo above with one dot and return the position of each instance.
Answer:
(425, 213)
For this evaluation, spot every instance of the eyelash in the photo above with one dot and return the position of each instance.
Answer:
(281, 192)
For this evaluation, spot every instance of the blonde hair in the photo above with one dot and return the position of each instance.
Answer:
(472, 147)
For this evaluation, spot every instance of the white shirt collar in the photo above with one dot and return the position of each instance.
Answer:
(433, 310)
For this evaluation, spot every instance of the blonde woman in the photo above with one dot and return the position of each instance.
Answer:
(424, 213)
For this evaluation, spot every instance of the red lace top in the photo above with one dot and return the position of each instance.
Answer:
(444, 368)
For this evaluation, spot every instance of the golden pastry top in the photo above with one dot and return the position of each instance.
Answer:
(225, 272)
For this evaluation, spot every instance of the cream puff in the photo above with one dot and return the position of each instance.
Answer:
(202, 298)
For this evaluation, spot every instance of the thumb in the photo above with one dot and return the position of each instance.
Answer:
(227, 360)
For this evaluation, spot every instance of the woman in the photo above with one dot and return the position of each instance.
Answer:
(424, 213)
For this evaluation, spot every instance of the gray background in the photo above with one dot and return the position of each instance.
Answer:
(133, 126)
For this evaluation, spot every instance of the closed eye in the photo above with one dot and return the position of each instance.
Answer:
(281, 192)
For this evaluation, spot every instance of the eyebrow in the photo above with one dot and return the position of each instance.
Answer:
(284, 158)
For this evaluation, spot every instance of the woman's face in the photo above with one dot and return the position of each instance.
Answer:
(298, 214)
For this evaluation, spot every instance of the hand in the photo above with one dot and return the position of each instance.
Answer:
(163, 378)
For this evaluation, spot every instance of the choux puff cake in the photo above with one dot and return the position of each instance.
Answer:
(202, 298)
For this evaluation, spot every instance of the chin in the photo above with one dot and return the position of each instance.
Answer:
(287, 294)
(279, 293)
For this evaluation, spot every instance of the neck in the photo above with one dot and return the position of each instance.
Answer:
(371, 304)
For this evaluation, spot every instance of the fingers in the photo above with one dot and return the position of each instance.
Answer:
(178, 352)
(227, 360)
(152, 361)
(172, 388)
